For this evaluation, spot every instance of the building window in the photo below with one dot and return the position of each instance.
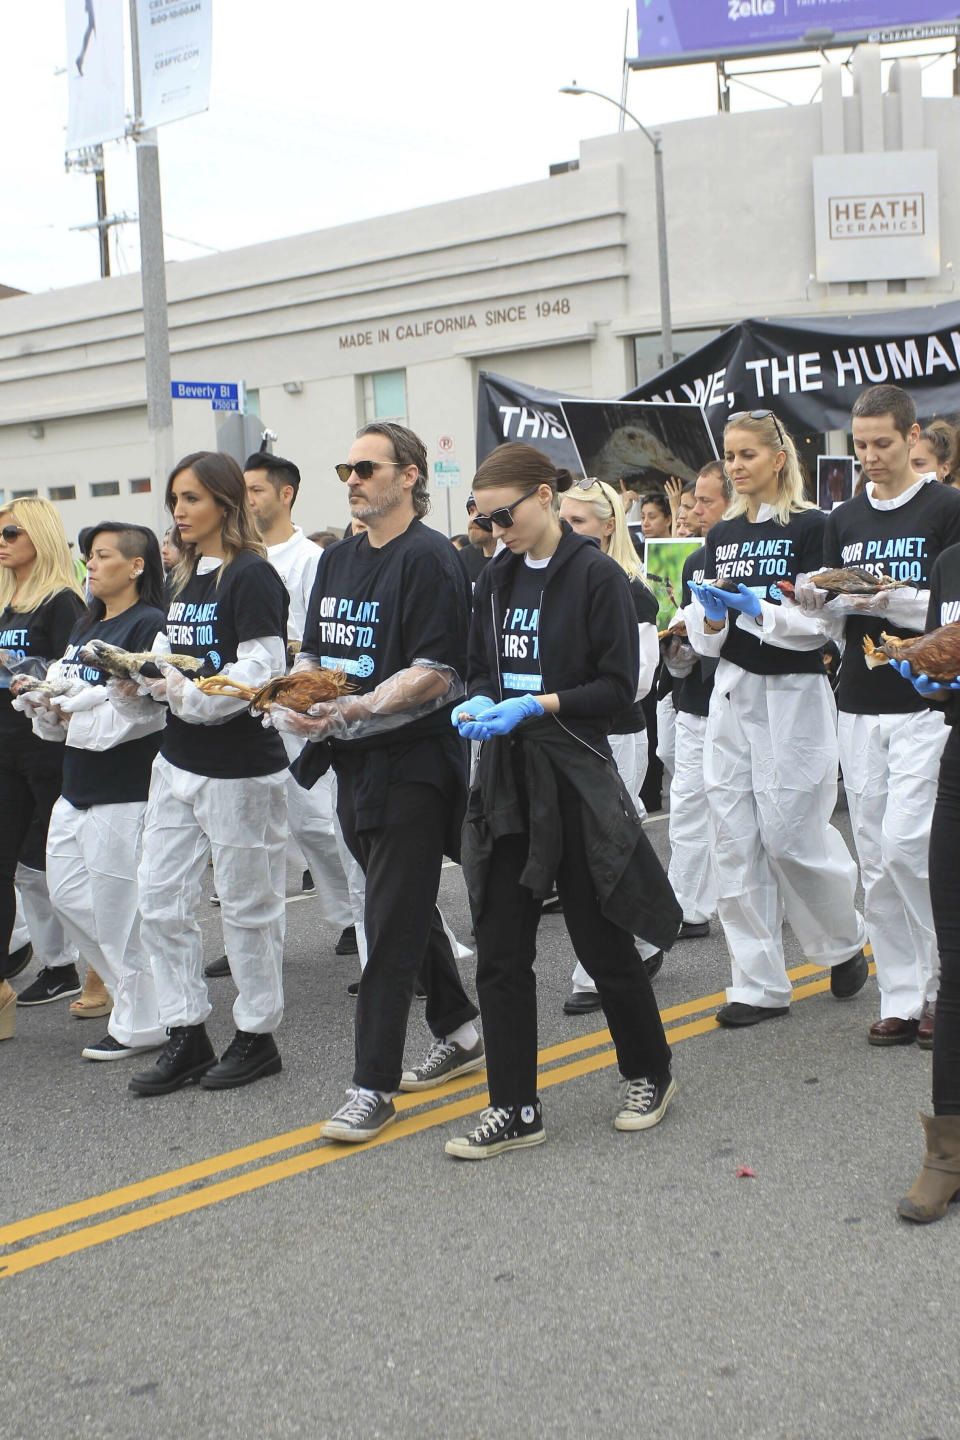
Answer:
(140, 486)
(648, 351)
(104, 487)
(252, 402)
(62, 492)
(22, 494)
(385, 396)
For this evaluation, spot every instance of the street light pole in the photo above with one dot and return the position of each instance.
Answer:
(656, 140)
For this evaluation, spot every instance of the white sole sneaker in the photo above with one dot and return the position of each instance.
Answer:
(461, 1147)
(129, 1052)
(627, 1120)
(411, 1080)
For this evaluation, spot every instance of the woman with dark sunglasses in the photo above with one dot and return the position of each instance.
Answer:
(40, 602)
(770, 750)
(553, 659)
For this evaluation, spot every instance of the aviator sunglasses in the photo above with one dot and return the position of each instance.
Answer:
(759, 415)
(11, 533)
(363, 468)
(503, 518)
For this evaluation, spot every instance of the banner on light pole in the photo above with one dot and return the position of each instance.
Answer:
(174, 39)
(95, 70)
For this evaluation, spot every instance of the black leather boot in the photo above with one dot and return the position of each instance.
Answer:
(185, 1057)
(246, 1058)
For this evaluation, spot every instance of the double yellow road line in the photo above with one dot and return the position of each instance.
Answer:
(76, 1227)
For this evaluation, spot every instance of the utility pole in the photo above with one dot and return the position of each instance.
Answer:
(153, 286)
(103, 236)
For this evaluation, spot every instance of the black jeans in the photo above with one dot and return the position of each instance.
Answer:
(506, 950)
(401, 859)
(30, 778)
(945, 895)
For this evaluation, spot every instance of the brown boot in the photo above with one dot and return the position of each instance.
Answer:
(95, 1000)
(939, 1181)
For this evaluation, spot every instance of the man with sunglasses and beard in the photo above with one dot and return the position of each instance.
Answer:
(482, 545)
(390, 607)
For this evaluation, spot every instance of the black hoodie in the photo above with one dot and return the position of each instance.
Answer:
(587, 633)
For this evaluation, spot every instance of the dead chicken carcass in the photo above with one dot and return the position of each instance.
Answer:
(936, 655)
(129, 664)
(848, 580)
(297, 691)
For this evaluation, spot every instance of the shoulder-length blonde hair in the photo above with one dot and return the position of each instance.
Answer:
(606, 505)
(53, 570)
(772, 435)
(222, 477)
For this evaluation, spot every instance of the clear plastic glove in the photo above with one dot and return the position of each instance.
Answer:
(31, 702)
(420, 689)
(929, 689)
(806, 594)
(679, 657)
(468, 710)
(713, 607)
(877, 604)
(501, 719)
(130, 702)
(291, 722)
(740, 599)
(153, 689)
(192, 705)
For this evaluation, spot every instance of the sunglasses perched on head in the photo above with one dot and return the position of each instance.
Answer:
(503, 518)
(758, 415)
(12, 532)
(589, 483)
(363, 469)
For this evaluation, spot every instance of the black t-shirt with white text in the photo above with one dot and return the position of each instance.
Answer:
(41, 634)
(902, 543)
(209, 620)
(759, 555)
(691, 694)
(519, 642)
(374, 610)
(121, 775)
(944, 609)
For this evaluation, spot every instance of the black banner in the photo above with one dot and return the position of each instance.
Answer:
(809, 371)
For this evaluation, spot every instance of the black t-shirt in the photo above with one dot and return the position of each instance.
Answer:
(691, 694)
(374, 611)
(519, 643)
(121, 775)
(41, 633)
(210, 620)
(472, 559)
(758, 556)
(902, 543)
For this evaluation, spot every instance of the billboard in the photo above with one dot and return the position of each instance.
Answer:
(174, 40)
(684, 32)
(94, 73)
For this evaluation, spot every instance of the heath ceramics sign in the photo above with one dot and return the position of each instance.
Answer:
(877, 215)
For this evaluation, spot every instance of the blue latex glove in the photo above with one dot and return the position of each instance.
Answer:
(501, 719)
(713, 607)
(473, 707)
(922, 683)
(744, 600)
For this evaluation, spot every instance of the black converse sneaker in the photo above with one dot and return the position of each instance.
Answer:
(444, 1061)
(646, 1103)
(363, 1116)
(110, 1049)
(501, 1128)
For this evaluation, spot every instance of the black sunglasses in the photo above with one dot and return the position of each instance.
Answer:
(363, 468)
(759, 415)
(589, 483)
(12, 532)
(503, 518)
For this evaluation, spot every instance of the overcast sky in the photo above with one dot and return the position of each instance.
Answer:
(322, 113)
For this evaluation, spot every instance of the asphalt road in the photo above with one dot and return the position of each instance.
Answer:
(231, 1275)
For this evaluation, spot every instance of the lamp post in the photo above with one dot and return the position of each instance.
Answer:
(666, 324)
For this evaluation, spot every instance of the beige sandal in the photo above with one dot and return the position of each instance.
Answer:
(95, 1000)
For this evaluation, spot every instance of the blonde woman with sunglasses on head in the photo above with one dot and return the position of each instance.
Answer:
(592, 508)
(770, 750)
(40, 602)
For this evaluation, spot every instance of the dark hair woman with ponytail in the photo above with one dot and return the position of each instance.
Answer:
(553, 658)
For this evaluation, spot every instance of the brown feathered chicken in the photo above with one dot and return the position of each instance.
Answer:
(296, 692)
(936, 655)
(849, 580)
(675, 628)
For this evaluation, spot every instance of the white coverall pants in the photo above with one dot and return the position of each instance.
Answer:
(770, 769)
(312, 818)
(666, 733)
(890, 766)
(21, 930)
(92, 858)
(243, 822)
(630, 755)
(50, 946)
(691, 863)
